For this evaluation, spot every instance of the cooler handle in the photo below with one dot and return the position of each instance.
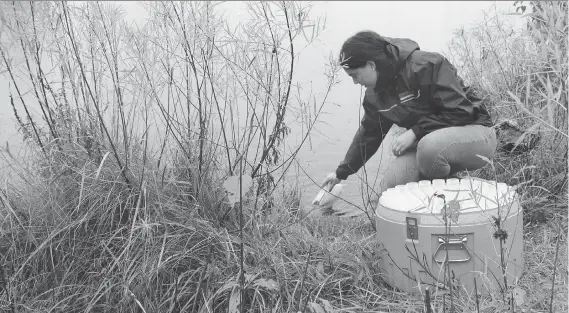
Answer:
(462, 241)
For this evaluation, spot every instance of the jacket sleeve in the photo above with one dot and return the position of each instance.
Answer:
(367, 140)
(437, 78)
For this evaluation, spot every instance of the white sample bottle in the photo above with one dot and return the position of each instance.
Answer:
(452, 188)
(418, 200)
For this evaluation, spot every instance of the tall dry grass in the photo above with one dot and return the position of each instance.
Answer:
(130, 132)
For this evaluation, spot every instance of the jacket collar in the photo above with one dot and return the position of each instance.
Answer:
(400, 49)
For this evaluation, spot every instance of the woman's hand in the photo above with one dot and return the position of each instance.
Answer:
(403, 142)
(331, 180)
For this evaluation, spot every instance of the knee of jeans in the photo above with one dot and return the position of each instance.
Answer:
(388, 181)
(431, 162)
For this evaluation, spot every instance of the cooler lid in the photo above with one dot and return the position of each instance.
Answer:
(472, 195)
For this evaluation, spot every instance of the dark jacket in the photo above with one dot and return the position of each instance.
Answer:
(431, 96)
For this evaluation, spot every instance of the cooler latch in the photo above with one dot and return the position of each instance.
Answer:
(412, 228)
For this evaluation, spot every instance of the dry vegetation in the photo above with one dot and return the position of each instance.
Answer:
(119, 205)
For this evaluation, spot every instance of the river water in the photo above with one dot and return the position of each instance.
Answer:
(431, 24)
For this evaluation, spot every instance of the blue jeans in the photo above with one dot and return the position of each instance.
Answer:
(440, 154)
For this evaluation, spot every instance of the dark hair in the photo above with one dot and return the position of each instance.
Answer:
(367, 46)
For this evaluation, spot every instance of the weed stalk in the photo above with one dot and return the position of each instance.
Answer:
(554, 274)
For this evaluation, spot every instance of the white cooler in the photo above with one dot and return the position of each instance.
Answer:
(411, 226)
